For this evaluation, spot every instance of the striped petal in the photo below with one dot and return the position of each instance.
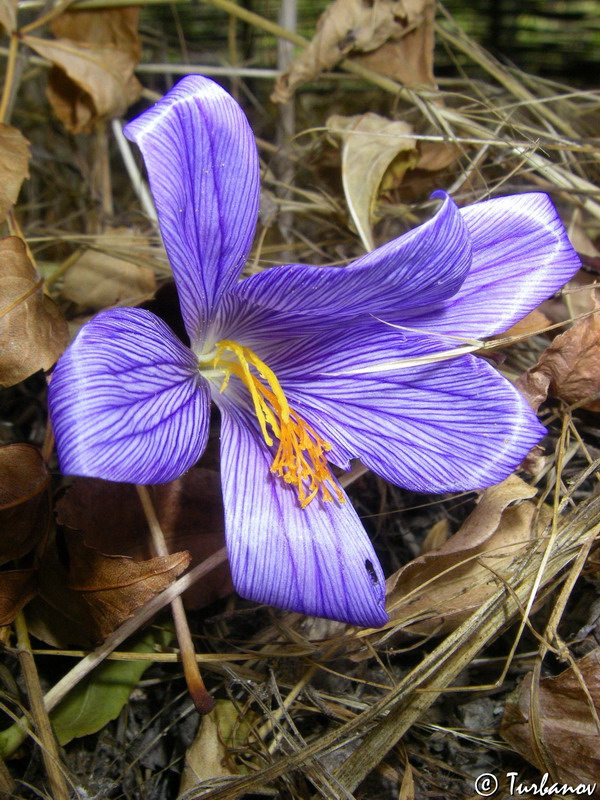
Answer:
(448, 425)
(426, 265)
(127, 402)
(317, 560)
(521, 256)
(203, 167)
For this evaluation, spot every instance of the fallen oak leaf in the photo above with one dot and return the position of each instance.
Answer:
(566, 725)
(115, 586)
(408, 56)
(33, 331)
(80, 104)
(107, 26)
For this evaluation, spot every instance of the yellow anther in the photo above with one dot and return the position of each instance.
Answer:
(300, 459)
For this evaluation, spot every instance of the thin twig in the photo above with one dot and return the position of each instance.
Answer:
(127, 629)
(201, 698)
(9, 77)
(48, 744)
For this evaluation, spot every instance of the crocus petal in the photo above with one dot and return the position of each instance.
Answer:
(317, 560)
(521, 256)
(127, 402)
(203, 167)
(426, 265)
(448, 425)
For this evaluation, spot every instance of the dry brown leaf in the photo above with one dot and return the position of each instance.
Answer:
(8, 15)
(58, 615)
(108, 26)
(82, 603)
(24, 500)
(569, 368)
(376, 154)
(94, 53)
(437, 155)
(17, 587)
(14, 166)
(397, 33)
(89, 82)
(211, 754)
(531, 323)
(437, 591)
(564, 721)
(408, 58)
(115, 586)
(33, 332)
(190, 512)
(370, 144)
(579, 295)
(436, 536)
(98, 280)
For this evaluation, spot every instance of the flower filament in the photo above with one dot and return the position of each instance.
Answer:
(300, 459)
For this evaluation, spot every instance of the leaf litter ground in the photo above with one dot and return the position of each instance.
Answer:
(490, 661)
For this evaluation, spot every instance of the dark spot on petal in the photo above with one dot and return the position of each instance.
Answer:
(372, 574)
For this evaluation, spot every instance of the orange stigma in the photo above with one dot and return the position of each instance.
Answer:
(300, 459)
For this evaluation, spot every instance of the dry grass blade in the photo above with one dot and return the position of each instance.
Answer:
(393, 714)
(320, 705)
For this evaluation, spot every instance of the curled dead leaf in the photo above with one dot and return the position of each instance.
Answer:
(408, 56)
(376, 154)
(370, 143)
(437, 591)
(33, 331)
(85, 597)
(14, 166)
(569, 368)
(190, 512)
(24, 500)
(89, 82)
(398, 35)
(94, 55)
(108, 26)
(563, 720)
(113, 587)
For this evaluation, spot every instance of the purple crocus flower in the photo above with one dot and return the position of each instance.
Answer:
(307, 365)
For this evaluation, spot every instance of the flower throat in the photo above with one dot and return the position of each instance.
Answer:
(300, 459)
